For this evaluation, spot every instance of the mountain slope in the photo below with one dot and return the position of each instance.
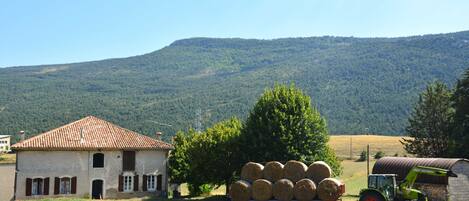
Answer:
(356, 83)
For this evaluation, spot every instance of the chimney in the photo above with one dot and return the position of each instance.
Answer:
(158, 135)
(82, 138)
(21, 134)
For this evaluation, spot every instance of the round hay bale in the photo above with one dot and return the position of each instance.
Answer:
(251, 171)
(261, 190)
(283, 190)
(273, 171)
(240, 191)
(294, 170)
(318, 171)
(329, 189)
(304, 190)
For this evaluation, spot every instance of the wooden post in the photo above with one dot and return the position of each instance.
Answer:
(368, 159)
(351, 153)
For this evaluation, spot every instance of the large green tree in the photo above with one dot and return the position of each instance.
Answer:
(430, 123)
(179, 166)
(460, 134)
(283, 126)
(207, 158)
(212, 154)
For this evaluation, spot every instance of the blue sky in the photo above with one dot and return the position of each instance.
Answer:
(47, 32)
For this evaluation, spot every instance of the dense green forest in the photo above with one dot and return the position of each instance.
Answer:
(356, 83)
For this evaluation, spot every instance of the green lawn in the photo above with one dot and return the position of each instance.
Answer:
(210, 198)
(7, 158)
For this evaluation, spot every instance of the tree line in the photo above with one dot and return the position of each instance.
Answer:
(281, 126)
(439, 123)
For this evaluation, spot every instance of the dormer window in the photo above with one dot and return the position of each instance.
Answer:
(98, 160)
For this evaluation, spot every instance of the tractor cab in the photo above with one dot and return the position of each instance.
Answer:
(383, 183)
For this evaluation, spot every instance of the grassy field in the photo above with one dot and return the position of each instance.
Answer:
(390, 145)
(7, 158)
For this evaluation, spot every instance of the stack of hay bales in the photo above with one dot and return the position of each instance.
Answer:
(292, 181)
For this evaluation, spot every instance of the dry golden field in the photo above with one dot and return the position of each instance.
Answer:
(390, 145)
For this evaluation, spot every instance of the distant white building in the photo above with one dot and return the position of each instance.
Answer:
(5, 143)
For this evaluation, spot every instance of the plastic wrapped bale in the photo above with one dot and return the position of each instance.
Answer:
(261, 190)
(240, 191)
(283, 190)
(330, 189)
(273, 171)
(252, 171)
(304, 190)
(295, 170)
(318, 171)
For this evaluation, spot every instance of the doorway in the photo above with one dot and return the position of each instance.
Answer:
(97, 189)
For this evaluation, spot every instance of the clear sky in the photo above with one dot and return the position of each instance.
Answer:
(46, 32)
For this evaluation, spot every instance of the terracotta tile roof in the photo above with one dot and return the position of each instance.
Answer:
(97, 134)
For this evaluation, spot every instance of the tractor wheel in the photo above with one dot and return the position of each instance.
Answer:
(371, 196)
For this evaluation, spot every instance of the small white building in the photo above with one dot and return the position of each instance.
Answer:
(5, 143)
(90, 157)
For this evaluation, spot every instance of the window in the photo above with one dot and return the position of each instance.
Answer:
(37, 186)
(98, 160)
(65, 185)
(151, 184)
(128, 183)
(372, 182)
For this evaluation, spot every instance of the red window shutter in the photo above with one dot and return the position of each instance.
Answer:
(136, 183)
(74, 185)
(144, 183)
(121, 183)
(56, 186)
(29, 183)
(46, 186)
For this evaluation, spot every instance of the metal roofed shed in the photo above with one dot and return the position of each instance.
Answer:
(437, 188)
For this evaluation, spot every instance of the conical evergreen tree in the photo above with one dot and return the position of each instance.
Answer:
(460, 135)
(430, 123)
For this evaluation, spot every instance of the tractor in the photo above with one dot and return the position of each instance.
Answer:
(384, 187)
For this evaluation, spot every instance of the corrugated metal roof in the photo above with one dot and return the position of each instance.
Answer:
(90, 133)
(402, 165)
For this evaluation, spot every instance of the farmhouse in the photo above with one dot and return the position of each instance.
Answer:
(90, 157)
(4, 143)
(437, 188)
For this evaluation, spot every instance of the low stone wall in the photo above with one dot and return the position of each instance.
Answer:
(435, 192)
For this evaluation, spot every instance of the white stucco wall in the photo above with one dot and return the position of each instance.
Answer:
(34, 164)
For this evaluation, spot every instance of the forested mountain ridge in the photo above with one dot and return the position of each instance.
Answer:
(356, 83)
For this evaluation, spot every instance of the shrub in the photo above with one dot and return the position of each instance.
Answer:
(379, 155)
(363, 156)
(197, 190)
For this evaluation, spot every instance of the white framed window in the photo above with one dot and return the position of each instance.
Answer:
(37, 186)
(65, 185)
(151, 182)
(128, 183)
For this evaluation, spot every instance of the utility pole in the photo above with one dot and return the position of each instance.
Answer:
(367, 155)
(351, 154)
(368, 159)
